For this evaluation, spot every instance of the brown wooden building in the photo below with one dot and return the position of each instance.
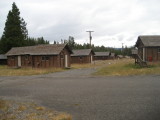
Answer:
(149, 47)
(82, 56)
(40, 56)
(102, 55)
(112, 56)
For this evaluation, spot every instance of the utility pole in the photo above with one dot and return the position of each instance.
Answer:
(122, 47)
(90, 37)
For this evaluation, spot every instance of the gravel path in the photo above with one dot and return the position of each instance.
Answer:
(87, 97)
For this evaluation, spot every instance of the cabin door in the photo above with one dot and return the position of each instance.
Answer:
(19, 61)
(66, 60)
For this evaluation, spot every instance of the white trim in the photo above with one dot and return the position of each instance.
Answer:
(19, 61)
(66, 60)
(91, 58)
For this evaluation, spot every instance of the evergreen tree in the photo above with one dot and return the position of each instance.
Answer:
(24, 28)
(13, 32)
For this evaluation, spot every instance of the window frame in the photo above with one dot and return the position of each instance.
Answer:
(45, 58)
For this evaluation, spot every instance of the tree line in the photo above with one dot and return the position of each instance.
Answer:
(15, 32)
(118, 51)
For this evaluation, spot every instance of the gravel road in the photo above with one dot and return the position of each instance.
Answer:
(89, 98)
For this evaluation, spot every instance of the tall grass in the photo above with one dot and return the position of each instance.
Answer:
(127, 67)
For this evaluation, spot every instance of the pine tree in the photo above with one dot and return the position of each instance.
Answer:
(13, 35)
(24, 28)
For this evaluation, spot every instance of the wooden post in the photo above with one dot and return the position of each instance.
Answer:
(143, 54)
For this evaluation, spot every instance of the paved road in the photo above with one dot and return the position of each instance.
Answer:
(87, 97)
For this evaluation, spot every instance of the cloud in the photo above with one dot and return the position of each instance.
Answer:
(114, 21)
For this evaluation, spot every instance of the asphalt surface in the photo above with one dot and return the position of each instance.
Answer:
(87, 97)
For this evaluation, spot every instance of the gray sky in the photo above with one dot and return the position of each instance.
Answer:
(114, 21)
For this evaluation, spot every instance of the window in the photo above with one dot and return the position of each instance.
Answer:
(26, 57)
(45, 58)
(62, 56)
(12, 57)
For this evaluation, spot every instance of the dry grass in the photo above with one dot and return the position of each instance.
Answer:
(127, 67)
(63, 117)
(3, 105)
(6, 71)
(78, 66)
(11, 110)
(94, 64)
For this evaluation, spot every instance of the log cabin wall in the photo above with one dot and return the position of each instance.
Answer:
(152, 54)
(101, 57)
(81, 59)
(12, 61)
(45, 61)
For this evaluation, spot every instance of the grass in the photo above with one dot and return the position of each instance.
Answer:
(94, 64)
(6, 71)
(11, 110)
(127, 67)
(79, 66)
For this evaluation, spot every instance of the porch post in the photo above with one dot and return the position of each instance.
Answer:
(144, 54)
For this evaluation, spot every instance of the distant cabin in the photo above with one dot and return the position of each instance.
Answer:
(82, 56)
(112, 56)
(3, 59)
(120, 56)
(148, 47)
(102, 55)
(40, 56)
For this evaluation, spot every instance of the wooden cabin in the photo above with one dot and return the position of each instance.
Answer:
(82, 56)
(40, 56)
(120, 57)
(112, 56)
(149, 48)
(102, 55)
(3, 59)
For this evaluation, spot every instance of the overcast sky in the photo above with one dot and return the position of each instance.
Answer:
(113, 21)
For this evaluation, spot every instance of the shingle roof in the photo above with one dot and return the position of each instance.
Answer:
(53, 49)
(82, 52)
(3, 57)
(149, 40)
(102, 53)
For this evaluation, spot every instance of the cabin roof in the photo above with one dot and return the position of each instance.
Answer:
(149, 40)
(102, 53)
(3, 57)
(82, 52)
(51, 49)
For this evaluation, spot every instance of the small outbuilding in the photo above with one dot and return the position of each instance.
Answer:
(120, 56)
(40, 56)
(112, 56)
(82, 56)
(3, 59)
(148, 47)
(102, 55)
